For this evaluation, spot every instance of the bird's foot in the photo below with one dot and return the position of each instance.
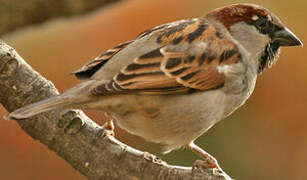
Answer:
(208, 162)
(108, 126)
(200, 165)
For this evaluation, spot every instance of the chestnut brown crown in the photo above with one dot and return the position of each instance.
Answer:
(248, 13)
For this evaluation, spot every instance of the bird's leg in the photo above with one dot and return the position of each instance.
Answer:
(108, 126)
(209, 161)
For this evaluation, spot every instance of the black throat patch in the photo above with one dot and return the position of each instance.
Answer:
(269, 56)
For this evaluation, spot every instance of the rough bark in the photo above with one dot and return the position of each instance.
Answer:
(76, 138)
(19, 13)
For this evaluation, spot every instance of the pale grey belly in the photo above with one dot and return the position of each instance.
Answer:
(171, 120)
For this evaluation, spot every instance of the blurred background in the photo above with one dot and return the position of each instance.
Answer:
(265, 139)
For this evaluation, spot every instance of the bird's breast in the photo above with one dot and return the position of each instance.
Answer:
(174, 120)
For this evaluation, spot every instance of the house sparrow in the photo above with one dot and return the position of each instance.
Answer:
(175, 81)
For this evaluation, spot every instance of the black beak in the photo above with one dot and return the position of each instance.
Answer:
(286, 38)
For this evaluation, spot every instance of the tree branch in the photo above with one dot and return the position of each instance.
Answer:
(76, 138)
(19, 13)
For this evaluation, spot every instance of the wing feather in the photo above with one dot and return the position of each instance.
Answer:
(93, 66)
(188, 59)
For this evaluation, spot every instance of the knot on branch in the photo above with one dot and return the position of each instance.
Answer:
(71, 122)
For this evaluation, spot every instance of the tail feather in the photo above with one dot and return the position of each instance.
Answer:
(72, 98)
(49, 104)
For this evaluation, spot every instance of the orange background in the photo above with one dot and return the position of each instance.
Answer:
(265, 139)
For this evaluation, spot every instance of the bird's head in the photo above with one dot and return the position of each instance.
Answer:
(257, 29)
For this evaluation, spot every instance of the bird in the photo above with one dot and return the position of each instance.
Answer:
(173, 82)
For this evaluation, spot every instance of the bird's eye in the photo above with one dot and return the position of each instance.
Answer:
(262, 24)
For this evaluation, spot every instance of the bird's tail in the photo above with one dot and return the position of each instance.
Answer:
(72, 98)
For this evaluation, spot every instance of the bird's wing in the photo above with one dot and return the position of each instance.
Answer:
(89, 69)
(190, 57)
